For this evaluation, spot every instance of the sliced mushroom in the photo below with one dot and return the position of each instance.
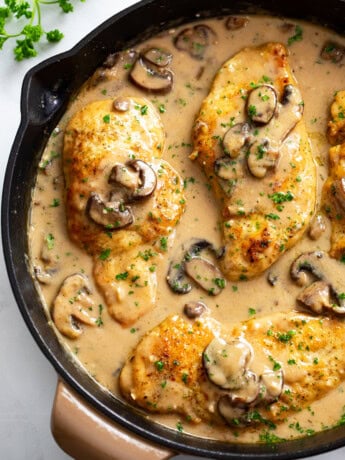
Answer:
(195, 40)
(306, 263)
(287, 27)
(233, 415)
(121, 104)
(125, 176)
(157, 56)
(263, 155)
(147, 179)
(235, 138)
(249, 391)
(226, 363)
(290, 113)
(150, 77)
(194, 309)
(108, 70)
(272, 278)
(43, 276)
(177, 277)
(236, 22)
(47, 254)
(72, 305)
(112, 215)
(318, 296)
(198, 246)
(225, 168)
(261, 104)
(50, 262)
(111, 60)
(264, 151)
(137, 177)
(205, 274)
(333, 52)
(317, 227)
(272, 383)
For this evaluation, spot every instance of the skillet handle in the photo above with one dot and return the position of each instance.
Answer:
(84, 433)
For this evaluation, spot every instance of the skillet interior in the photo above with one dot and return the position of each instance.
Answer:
(46, 91)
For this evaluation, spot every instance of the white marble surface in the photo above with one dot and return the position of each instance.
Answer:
(27, 380)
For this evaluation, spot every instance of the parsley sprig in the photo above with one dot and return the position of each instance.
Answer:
(28, 15)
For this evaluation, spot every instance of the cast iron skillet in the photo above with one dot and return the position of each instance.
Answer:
(46, 91)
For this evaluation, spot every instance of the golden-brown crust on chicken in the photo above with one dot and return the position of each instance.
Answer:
(336, 126)
(261, 217)
(165, 373)
(333, 192)
(97, 138)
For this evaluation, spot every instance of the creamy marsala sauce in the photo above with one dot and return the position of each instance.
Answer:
(102, 350)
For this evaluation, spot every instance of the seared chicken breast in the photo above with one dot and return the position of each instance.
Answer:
(251, 141)
(122, 200)
(333, 193)
(258, 372)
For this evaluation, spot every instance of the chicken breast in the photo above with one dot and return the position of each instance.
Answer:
(122, 200)
(251, 141)
(258, 372)
(333, 193)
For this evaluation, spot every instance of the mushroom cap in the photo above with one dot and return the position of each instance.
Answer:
(72, 306)
(195, 40)
(225, 168)
(112, 215)
(134, 180)
(316, 296)
(236, 22)
(272, 384)
(327, 292)
(233, 415)
(249, 391)
(184, 266)
(121, 104)
(235, 138)
(194, 309)
(262, 104)
(150, 77)
(226, 362)
(157, 56)
(205, 274)
(263, 155)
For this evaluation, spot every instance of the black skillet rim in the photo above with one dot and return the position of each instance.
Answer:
(20, 277)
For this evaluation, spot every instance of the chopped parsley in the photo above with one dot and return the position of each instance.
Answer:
(251, 111)
(99, 321)
(220, 282)
(144, 109)
(105, 254)
(164, 243)
(55, 203)
(159, 366)
(280, 197)
(297, 37)
(50, 240)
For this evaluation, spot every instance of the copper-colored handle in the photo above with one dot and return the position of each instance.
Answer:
(84, 433)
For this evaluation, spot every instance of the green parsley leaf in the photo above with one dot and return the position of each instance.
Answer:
(105, 254)
(54, 36)
(122, 276)
(297, 37)
(30, 29)
(50, 240)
